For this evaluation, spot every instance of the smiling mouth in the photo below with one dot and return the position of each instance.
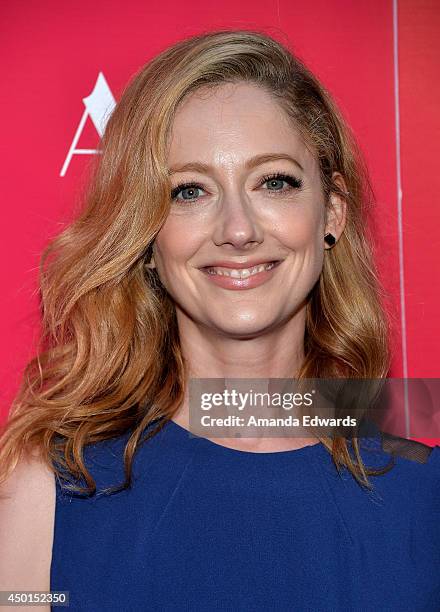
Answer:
(241, 272)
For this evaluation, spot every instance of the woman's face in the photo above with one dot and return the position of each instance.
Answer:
(254, 198)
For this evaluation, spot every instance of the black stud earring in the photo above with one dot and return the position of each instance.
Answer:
(330, 239)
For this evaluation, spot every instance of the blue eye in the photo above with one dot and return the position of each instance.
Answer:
(192, 190)
(279, 179)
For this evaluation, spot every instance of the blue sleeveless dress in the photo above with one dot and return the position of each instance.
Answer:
(205, 527)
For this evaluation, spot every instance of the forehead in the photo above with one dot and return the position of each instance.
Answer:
(234, 121)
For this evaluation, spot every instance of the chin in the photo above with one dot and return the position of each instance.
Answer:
(242, 329)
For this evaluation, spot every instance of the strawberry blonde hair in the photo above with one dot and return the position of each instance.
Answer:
(109, 359)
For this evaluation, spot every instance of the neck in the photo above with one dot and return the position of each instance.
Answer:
(277, 353)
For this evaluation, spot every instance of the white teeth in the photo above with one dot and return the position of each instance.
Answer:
(241, 272)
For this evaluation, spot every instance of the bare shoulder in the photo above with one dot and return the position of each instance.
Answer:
(27, 514)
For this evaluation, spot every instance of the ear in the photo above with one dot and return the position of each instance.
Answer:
(151, 263)
(336, 211)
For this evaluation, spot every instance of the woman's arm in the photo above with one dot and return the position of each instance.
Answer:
(27, 512)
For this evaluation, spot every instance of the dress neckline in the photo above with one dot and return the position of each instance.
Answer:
(226, 450)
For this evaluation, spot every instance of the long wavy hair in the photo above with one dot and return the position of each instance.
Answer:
(109, 359)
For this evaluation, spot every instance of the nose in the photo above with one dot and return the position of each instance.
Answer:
(237, 222)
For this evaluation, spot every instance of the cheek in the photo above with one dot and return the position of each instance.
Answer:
(174, 245)
(301, 232)
(303, 236)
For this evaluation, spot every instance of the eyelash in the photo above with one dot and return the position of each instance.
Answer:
(295, 183)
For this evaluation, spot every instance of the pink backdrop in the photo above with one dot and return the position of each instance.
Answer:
(68, 62)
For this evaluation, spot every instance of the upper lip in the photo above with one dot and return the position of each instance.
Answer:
(239, 265)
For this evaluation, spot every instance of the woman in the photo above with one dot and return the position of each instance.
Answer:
(140, 296)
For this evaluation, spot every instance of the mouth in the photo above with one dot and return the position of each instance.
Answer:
(240, 273)
(240, 278)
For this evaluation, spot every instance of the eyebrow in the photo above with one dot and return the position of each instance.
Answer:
(251, 163)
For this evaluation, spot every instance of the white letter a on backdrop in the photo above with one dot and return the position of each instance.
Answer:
(99, 106)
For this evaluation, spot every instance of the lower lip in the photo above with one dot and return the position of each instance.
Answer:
(255, 280)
